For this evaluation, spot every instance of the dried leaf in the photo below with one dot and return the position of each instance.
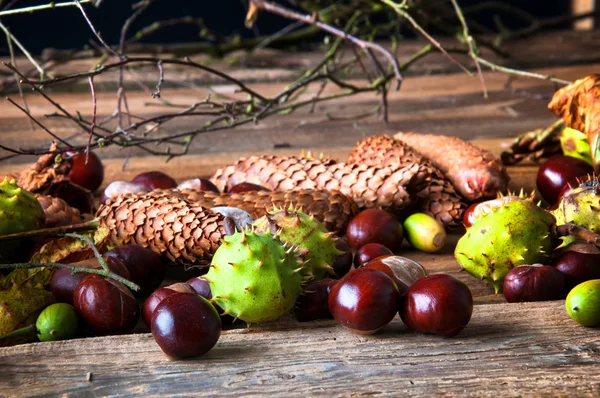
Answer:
(69, 250)
(579, 106)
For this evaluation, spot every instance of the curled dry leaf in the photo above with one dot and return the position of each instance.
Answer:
(578, 104)
(69, 249)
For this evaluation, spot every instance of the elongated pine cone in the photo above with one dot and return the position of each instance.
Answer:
(437, 198)
(58, 212)
(333, 208)
(578, 104)
(474, 172)
(166, 222)
(368, 186)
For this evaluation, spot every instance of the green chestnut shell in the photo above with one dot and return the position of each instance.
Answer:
(582, 207)
(314, 244)
(255, 277)
(20, 210)
(583, 303)
(513, 233)
(57, 322)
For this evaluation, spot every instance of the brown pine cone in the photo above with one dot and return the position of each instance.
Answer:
(58, 212)
(333, 208)
(166, 222)
(369, 186)
(437, 197)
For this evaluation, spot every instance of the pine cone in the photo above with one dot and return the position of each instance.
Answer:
(166, 222)
(437, 197)
(333, 208)
(58, 212)
(369, 186)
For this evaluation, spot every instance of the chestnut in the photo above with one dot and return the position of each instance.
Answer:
(107, 306)
(556, 172)
(185, 325)
(364, 300)
(152, 180)
(535, 282)
(199, 184)
(577, 267)
(343, 261)
(64, 281)
(146, 267)
(200, 286)
(468, 216)
(403, 271)
(313, 302)
(438, 304)
(374, 226)
(87, 170)
(245, 187)
(370, 251)
(159, 295)
(117, 188)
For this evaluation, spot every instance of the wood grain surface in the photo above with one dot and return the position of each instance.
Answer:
(531, 349)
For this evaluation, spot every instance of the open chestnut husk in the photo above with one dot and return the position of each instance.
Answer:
(402, 270)
(438, 304)
(186, 325)
(107, 306)
(364, 300)
(535, 282)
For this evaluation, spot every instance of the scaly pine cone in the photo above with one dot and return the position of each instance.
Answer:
(369, 186)
(166, 222)
(438, 198)
(333, 208)
(58, 212)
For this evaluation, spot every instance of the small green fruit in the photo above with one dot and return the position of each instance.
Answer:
(424, 232)
(583, 303)
(57, 322)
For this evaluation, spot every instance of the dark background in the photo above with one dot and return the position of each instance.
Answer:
(65, 28)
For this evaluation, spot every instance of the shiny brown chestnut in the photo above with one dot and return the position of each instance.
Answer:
(577, 267)
(87, 170)
(438, 304)
(403, 271)
(369, 252)
(343, 261)
(246, 187)
(469, 216)
(375, 226)
(364, 301)
(159, 295)
(313, 302)
(556, 172)
(200, 286)
(64, 281)
(151, 180)
(107, 306)
(185, 325)
(146, 267)
(534, 282)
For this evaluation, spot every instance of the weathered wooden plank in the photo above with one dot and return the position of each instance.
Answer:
(506, 350)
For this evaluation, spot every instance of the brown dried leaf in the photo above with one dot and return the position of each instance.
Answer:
(68, 250)
(579, 106)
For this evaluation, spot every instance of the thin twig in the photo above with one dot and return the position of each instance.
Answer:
(94, 31)
(93, 124)
(161, 79)
(49, 6)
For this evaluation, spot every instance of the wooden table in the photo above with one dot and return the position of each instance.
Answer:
(506, 350)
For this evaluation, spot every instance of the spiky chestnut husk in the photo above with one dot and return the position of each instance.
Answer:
(255, 277)
(581, 206)
(19, 209)
(315, 246)
(512, 233)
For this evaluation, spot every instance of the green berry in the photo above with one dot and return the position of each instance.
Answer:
(57, 322)
(424, 232)
(583, 303)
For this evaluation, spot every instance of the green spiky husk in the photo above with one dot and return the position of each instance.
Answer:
(515, 233)
(315, 246)
(255, 277)
(582, 207)
(20, 210)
